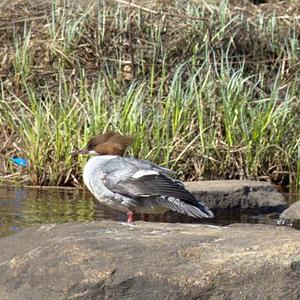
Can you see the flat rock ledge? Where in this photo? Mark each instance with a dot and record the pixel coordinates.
(110, 260)
(224, 195)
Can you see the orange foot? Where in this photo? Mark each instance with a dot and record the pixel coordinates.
(130, 217)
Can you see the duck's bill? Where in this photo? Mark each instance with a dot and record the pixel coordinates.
(81, 151)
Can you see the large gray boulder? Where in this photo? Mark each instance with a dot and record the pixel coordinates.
(109, 260)
(227, 195)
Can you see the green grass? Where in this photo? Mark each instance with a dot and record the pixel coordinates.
(212, 100)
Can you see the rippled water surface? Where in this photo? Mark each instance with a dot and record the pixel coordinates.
(23, 207)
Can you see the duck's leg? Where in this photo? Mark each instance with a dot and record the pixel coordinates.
(130, 216)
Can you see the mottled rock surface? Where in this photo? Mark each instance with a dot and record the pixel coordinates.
(109, 260)
(238, 195)
(292, 213)
(291, 216)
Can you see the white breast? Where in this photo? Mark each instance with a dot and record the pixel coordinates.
(92, 175)
(93, 164)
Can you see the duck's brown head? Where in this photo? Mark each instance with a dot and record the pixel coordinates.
(110, 143)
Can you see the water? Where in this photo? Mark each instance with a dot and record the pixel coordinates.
(23, 207)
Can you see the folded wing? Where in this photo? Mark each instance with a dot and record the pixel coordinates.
(169, 193)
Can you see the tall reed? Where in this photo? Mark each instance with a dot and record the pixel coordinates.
(215, 93)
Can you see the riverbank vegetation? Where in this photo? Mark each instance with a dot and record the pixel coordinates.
(208, 89)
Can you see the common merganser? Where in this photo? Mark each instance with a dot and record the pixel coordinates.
(134, 185)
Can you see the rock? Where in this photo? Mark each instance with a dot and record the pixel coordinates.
(292, 213)
(220, 195)
(109, 260)
(291, 216)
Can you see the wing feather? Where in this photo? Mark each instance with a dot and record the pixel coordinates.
(152, 185)
(169, 193)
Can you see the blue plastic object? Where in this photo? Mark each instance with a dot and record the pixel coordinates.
(19, 161)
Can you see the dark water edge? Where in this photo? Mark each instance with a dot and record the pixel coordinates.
(23, 207)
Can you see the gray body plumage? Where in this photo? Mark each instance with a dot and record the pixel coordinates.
(126, 183)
